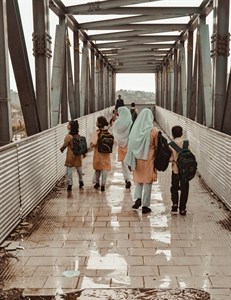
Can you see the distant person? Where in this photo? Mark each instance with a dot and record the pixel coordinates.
(134, 111)
(140, 157)
(121, 130)
(72, 160)
(119, 102)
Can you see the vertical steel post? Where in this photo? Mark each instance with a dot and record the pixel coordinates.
(189, 70)
(76, 73)
(42, 54)
(220, 53)
(175, 98)
(5, 113)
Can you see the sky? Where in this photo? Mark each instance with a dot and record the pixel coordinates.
(142, 82)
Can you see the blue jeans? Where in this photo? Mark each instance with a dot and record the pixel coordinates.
(70, 177)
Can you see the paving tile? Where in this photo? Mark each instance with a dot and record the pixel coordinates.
(113, 246)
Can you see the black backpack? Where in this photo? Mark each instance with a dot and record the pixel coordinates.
(134, 114)
(105, 141)
(79, 145)
(162, 153)
(186, 161)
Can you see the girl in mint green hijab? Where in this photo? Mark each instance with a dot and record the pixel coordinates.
(140, 157)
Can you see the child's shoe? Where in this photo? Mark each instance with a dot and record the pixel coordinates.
(128, 184)
(102, 188)
(81, 184)
(69, 188)
(183, 212)
(137, 204)
(174, 209)
(146, 210)
(96, 186)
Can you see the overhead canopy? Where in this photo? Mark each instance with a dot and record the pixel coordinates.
(135, 36)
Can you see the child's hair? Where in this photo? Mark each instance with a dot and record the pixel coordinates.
(102, 121)
(133, 104)
(177, 131)
(74, 127)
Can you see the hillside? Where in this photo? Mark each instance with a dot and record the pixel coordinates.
(136, 96)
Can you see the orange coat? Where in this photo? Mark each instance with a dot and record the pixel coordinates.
(101, 161)
(144, 172)
(122, 153)
(72, 160)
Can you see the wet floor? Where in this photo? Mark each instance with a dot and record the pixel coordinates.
(94, 242)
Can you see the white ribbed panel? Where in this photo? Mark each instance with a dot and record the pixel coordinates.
(30, 168)
(212, 150)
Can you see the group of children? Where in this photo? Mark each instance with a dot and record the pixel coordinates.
(136, 142)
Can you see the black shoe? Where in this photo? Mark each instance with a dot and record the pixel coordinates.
(174, 209)
(137, 203)
(81, 184)
(128, 184)
(102, 188)
(96, 186)
(69, 188)
(183, 212)
(146, 210)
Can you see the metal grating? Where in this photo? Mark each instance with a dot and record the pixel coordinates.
(30, 168)
(212, 149)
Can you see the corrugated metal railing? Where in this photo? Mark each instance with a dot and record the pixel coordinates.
(212, 149)
(30, 168)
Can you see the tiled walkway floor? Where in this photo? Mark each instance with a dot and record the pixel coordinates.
(109, 245)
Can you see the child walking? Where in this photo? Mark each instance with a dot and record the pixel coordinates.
(178, 184)
(140, 157)
(121, 131)
(72, 160)
(101, 161)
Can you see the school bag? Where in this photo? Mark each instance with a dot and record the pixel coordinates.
(186, 161)
(79, 145)
(162, 153)
(105, 141)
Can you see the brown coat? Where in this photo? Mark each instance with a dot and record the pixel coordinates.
(101, 161)
(72, 160)
(144, 172)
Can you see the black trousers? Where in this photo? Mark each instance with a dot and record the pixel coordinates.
(179, 187)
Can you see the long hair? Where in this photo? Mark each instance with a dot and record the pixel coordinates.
(74, 127)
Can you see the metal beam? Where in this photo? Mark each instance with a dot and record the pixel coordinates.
(21, 67)
(103, 25)
(206, 70)
(137, 29)
(220, 53)
(158, 11)
(99, 6)
(42, 54)
(134, 41)
(5, 113)
(57, 73)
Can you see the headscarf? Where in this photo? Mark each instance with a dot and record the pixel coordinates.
(122, 126)
(139, 138)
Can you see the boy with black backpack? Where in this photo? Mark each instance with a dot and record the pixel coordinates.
(184, 167)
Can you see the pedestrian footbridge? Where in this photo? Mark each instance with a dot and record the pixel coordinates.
(93, 241)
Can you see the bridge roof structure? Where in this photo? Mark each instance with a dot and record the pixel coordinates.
(134, 36)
